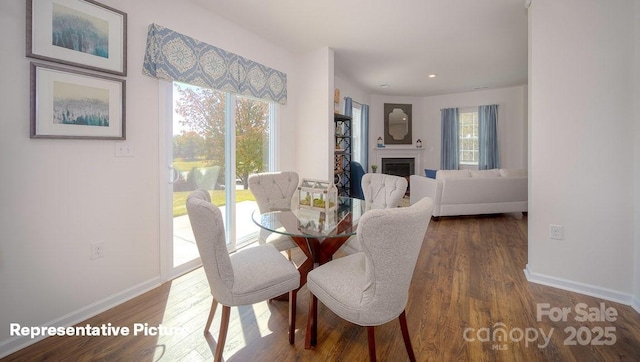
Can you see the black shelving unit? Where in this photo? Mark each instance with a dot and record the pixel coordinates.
(342, 154)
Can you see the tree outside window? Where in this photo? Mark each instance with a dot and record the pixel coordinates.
(202, 111)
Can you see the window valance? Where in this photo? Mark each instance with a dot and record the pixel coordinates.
(177, 57)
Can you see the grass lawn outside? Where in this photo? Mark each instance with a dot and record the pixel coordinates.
(188, 165)
(217, 198)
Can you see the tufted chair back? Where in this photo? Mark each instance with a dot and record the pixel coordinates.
(380, 191)
(383, 191)
(273, 189)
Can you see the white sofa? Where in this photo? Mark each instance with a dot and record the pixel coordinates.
(468, 192)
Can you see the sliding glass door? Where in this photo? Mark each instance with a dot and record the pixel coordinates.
(214, 141)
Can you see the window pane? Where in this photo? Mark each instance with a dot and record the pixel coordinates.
(468, 137)
(207, 123)
(356, 135)
(252, 138)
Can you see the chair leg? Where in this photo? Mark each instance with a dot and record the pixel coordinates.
(222, 337)
(310, 338)
(405, 336)
(372, 343)
(212, 312)
(293, 298)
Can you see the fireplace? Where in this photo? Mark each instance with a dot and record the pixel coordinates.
(403, 167)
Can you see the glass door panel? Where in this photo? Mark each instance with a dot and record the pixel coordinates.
(218, 140)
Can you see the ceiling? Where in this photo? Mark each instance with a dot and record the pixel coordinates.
(468, 44)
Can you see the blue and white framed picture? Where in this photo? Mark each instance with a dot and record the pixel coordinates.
(82, 33)
(66, 103)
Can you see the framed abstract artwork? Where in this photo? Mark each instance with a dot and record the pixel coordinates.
(67, 103)
(82, 33)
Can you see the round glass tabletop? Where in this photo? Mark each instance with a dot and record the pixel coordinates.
(306, 222)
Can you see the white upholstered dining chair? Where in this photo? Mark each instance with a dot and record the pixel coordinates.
(381, 191)
(274, 190)
(246, 277)
(371, 288)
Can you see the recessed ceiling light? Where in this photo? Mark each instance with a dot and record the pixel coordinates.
(432, 75)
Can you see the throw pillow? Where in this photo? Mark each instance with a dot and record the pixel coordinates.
(430, 173)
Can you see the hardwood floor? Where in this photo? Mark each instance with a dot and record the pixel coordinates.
(468, 284)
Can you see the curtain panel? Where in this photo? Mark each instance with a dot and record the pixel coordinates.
(348, 106)
(488, 156)
(449, 159)
(177, 57)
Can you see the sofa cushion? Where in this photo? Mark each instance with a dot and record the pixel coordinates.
(430, 173)
(513, 172)
(452, 174)
(485, 173)
(483, 191)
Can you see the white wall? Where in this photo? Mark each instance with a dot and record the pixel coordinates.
(582, 135)
(512, 121)
(348, 89)
(59, 196)
(314, 113)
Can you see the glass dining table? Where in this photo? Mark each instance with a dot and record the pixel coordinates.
(317, 236)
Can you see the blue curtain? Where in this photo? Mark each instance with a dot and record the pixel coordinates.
(348, 106)
(488, 156)
(449, 159)
(177, 57)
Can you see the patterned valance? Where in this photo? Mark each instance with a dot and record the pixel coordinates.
(177, 57)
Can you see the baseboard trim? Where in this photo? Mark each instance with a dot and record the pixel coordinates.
(636, 304)
(14, 344)
(582, 288)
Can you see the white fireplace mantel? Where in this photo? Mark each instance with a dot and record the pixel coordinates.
(399, 152)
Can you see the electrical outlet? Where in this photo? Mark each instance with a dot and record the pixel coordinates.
(97, 250)
(556, 232)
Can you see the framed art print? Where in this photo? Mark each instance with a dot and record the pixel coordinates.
(66, 103)
(82, 33)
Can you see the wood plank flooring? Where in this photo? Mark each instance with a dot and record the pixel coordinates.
(468, 285)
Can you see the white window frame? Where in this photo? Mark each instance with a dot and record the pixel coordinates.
(357, 152)
(461, 136)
